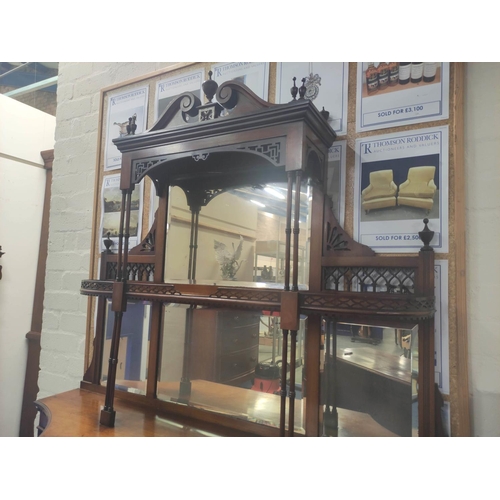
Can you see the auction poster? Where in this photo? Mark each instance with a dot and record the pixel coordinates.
(122, 109)
(255, 75)
(111, 203)
(395, 94)
(401, 179)
(441, 330)
(169, 88)
(326, 85)
(335, 182)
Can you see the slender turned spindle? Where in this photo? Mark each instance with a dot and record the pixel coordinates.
(127, 238)
(191, 246)
(284, 363)
(296, 231)
(288, 230)
(113, 360)
(185, 384)
(330, 417)
(195, 244)
(120, 238)
(295, 287)
(108, 413)
(291, 392)
(283, 382)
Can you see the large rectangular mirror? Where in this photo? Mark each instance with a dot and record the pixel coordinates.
(238, 236)
(228, 361)
(369, 380)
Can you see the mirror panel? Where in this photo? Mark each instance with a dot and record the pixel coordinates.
(240, 238)
(131, 373)
(369, 378)
(227, 361)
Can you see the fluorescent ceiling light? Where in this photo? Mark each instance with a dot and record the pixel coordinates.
(258, 203)
(274, 193)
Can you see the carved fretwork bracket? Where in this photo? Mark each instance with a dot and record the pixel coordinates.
(147, 245)
(199, 197)
(336, 242)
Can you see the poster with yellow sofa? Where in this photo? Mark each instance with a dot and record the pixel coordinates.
(400, 180)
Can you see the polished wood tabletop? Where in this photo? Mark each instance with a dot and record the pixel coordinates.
(76, 414)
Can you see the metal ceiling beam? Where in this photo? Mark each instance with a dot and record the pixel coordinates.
(33, 87)
(14, 69)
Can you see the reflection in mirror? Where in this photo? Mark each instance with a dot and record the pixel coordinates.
(369, 380)
(240, 239)
(227, 361)
(131, 371)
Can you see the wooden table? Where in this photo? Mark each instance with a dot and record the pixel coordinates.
(76, 414)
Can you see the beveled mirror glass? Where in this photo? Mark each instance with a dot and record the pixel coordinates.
(228, 361)
(239, 238)
(372, 381)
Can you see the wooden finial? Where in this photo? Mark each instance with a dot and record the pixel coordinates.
(302, 90)
(108, 243)
(209, 87)
(426, 236)
(294, 89)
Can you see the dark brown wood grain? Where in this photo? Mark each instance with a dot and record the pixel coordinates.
(251, 144)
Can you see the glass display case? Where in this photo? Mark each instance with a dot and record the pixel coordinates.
(247, 284)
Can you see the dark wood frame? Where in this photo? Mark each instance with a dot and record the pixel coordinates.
(28, 408)
(302, 137)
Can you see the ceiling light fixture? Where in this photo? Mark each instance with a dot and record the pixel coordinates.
(274, 193)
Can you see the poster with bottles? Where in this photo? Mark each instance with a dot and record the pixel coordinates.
(400, 180)
(401, 93)
(335, 180)
(169, 88)
(441, 330)
(326, 85)
(111, 203)
(255, 75)
(126, 111)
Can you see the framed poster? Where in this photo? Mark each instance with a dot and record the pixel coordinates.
(168, 88)
(401, 179)
(121, 108)
(335, 181)
(111, 202)
(441, 331)
(394, 94)
(326, 83)
(255, 75)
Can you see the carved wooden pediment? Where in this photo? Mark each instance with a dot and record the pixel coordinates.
(232, 98)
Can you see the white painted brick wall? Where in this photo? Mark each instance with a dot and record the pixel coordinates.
(64, 319)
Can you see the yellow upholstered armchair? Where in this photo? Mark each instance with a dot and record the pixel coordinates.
(381, 192)
(419, 188)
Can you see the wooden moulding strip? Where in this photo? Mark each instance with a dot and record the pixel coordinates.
(463, 427)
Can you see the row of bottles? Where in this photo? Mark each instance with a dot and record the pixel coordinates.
(402, 73)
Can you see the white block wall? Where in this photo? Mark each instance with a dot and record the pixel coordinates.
(63, 338)
(64, 318)
(482, 164)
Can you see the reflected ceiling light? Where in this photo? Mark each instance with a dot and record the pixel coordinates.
(274, 193)
(258, 203)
